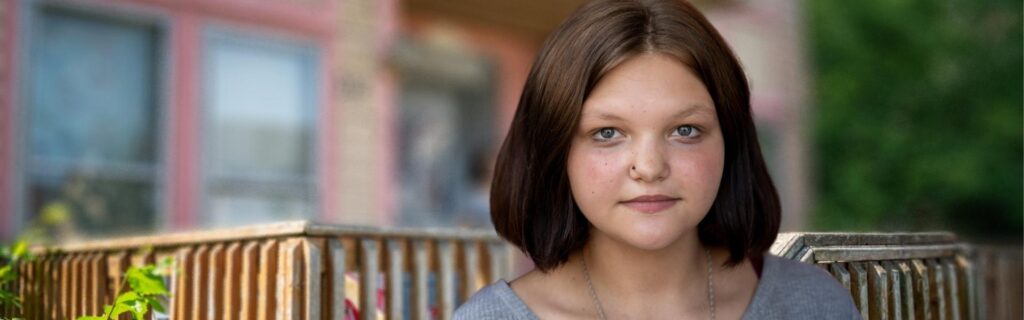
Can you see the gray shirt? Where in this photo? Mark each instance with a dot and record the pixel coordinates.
(787, 289)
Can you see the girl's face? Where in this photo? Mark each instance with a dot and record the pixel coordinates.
(645, 164)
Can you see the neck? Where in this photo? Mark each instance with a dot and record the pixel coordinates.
(630, 278)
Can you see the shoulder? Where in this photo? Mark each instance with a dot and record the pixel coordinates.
(493, 302)
(800, 289)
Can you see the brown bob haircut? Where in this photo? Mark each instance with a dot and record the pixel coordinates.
(531, 200)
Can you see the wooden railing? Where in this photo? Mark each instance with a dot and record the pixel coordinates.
(293, 270)
(914, 275)
(301, 270)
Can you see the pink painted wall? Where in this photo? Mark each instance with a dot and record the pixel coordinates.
(316, 20)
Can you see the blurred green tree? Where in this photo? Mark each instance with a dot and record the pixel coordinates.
(917, 121)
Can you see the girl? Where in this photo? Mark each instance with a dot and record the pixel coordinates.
(632, 177)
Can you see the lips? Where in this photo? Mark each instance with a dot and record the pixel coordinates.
(651, 203)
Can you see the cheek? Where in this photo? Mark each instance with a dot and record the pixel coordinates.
(701, 172)
(593, 175)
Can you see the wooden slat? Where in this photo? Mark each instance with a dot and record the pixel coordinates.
(117, 265)
(30, 299)
(878, 286)
(907, 287)
(1014, 282)
(183, 298)
(85, 286)
(421, 273)
(859, 284)
(937, 284)
(887, 252)
(952, 289)
(446, 281)
(25, 287)
(99, 283)
(215, 274)
(368, 277)
(45, 287)
(267, 282)
(922, 289)
(61, 282)
(469, 269)
(966, 273)
(77, 286)
(273, 230)
(337, 276)
(289, 292)
(67, 287)
(784, 241)
(312, 250)
(249, 287)
(232, 281)
(200, 283)
(839, 271)
(395, 275)
(192, 238)
(997, 291)
(896, 302)
(48, 298)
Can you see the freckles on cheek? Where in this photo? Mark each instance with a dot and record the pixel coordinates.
(600, 169)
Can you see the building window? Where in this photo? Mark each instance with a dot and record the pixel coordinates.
(445, 134)
(92, 137)
(260, 105)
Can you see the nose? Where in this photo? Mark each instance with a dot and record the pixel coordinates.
(650, 163)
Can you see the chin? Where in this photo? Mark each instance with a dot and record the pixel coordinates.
(652, 239)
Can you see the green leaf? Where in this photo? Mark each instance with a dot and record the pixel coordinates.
(145, 281)
(124, 303)
(156, 305)
(6, 273)
(19, 251)
(138, 307)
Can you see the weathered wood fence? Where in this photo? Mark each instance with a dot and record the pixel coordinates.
(294, 270)
(301, 270)
(915, 275)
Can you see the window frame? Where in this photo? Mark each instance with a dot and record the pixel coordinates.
(30, 12)
(311, 51)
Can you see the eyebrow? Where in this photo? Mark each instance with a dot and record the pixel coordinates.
(690, 109)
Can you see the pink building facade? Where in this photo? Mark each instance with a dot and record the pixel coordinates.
(149, 115)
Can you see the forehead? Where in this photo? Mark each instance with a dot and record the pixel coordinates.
(648, 83)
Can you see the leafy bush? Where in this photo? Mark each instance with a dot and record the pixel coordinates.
(147, 292)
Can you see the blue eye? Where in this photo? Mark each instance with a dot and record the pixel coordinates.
(686, 130)
(605, 134)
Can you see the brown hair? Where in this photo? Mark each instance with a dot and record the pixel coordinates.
(531, 201)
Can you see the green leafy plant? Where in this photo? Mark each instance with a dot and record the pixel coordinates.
(10, 257)
(147, 292)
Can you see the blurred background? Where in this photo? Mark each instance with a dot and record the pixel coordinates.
(143, 116)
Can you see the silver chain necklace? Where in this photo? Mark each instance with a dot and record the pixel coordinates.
(600, 309)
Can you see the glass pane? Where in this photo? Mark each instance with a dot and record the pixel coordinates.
(228, 209)
(92, 119)
(92, 89)
(98, 206)
(260, 100)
